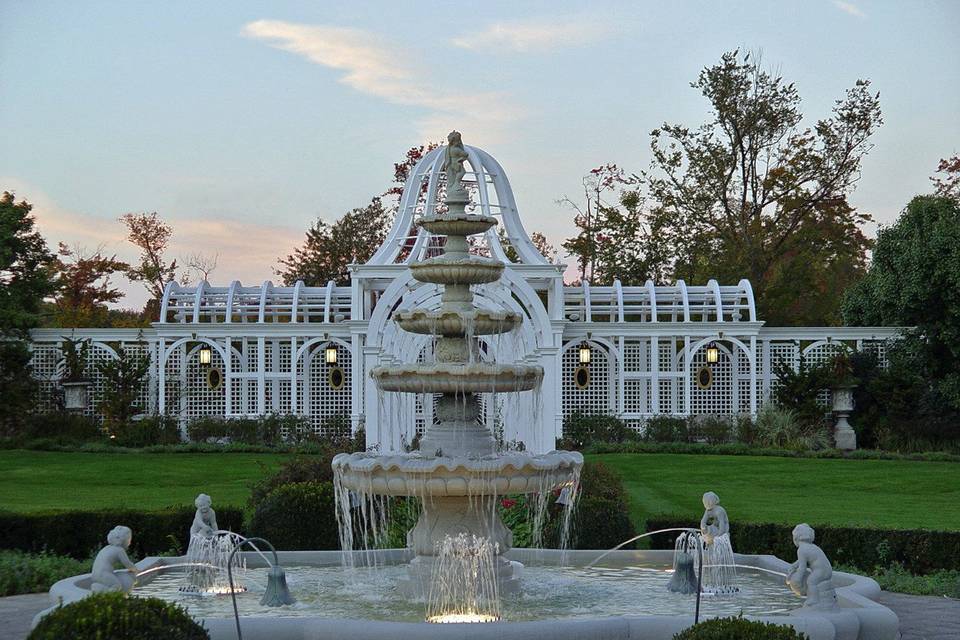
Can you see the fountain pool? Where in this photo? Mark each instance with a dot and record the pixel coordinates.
(623, 597)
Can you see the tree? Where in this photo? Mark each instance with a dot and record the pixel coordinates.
(539, 241)
(330, 248)
(752, 187)
(85, 287)
(914, 281)
(152, 236)
(402, 169)
(598, 187)
(25, 280)
(25, 277)
(203, 265)
(124, 379)
(949, 185)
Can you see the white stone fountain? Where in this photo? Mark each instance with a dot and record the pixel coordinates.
(458, 474)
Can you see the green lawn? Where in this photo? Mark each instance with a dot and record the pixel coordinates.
(44, 480)
(883, 493)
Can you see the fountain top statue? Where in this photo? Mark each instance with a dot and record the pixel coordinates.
(453, 158)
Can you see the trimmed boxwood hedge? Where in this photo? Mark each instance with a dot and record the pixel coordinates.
(119, 617)
(920, 551)
(739, 629)
(298, 516)
(80, 533)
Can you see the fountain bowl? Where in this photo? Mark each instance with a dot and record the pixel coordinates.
(457, 271)
(457, 224)
(415, 475)
(444, 322)
(456, 378)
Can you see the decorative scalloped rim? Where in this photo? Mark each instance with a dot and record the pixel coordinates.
(452, 323)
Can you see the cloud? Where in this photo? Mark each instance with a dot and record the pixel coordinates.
(370, 66)
(534, 36)
(849, 8)
(247, 251)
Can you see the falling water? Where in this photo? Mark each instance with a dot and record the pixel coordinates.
(207, 559)
(719, 566)
(463, 585)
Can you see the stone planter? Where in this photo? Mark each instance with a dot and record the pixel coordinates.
(843, 433)
(75, 395)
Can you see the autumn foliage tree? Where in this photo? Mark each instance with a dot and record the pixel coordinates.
(152, 236)
(85, 287)
(329, 249)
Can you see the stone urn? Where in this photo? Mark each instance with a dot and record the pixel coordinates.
(76, 394)
(843, 433)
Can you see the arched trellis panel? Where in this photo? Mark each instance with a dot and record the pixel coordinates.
(589, 388)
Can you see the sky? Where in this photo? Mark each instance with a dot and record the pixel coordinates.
(241, 123)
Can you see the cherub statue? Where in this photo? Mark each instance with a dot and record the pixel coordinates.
(205, 520)
(817, 585)
(714, 522)
(103, 578)
(453, 159)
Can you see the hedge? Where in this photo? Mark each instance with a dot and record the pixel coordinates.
(79, 534)
(920, 551)
(118, 616)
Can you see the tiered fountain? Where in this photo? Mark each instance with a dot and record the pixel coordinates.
(458, 473)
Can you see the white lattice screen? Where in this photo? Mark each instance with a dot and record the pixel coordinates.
(596, 397)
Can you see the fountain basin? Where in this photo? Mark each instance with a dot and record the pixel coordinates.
(457, 224)
(461, 271)
(412, 475)
(457, 323)
(457, 378)
(620, 600)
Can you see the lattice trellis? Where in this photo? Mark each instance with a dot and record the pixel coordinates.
(49, 369)
(717, 399)
(596, 398)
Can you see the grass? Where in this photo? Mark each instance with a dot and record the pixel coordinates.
(34, 481)
(892, 494)
(896, 494)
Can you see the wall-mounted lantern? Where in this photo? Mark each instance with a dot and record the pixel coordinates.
(330, 355)
(206, 355)
(585, 353)
(713, 353)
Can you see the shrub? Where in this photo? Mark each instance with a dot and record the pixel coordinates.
(739, 628)
(298, 516)
(782, 428)
(79, 534)
(581, 430)
(118, 617)
(714, 429)
(919, 551)
(32, 573)
(124, 378)
(150, 431)
(666, 429)
(601, 518)
(315, 469)
(63, 428)
(797, 389)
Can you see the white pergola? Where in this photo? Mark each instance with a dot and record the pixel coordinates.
(271, 346)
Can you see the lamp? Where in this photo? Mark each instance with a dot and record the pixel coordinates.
(330, 355)
(206, 355)
(584, 354)
(713, 353)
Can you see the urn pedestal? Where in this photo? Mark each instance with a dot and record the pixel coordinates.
(843, 433)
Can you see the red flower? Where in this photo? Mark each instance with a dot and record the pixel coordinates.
(508, 503)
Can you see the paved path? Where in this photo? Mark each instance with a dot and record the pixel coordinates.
(921, 617)
(924, 617)
(16, 614)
